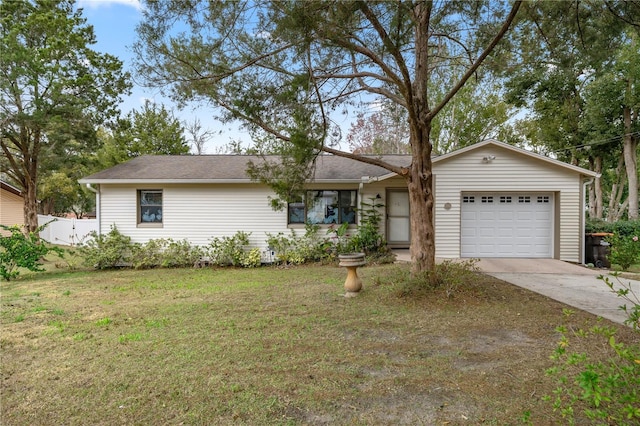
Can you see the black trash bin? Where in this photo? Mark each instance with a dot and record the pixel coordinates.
(597, 249)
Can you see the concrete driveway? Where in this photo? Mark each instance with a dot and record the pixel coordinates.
(574, 285)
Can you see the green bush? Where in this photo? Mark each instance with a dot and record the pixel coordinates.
(22, 251)
(231, 251)
(605, 389)
(165, 253)
(622, 228)
(296, 250)
(624, 251)
(113, 250)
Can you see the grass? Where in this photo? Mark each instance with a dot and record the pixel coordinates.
(272, 346)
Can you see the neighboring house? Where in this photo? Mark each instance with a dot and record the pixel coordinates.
(491, 200)
(11, 206)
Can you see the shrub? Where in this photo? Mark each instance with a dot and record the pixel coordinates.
(165, 253)
(623, 228)
(295, 250)
(229, 251)
(624, 250)
(604, 390)
(113, 250)
(22, 251)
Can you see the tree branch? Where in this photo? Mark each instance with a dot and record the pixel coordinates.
(471, 71)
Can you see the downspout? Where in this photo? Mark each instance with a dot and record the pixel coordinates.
(97, 192)
(584, 219)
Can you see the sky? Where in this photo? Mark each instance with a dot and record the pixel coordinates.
(114, 23)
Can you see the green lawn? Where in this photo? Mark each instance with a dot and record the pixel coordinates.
(271, 346)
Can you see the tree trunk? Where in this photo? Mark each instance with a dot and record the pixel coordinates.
(596, 206)
(29, 183)
(30, 207)
(630, 154)
(616, 207)
(420, 186)
(420, 177)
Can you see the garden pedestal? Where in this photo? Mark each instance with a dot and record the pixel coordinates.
(353, 283)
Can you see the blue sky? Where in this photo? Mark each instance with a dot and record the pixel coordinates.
(114, 23)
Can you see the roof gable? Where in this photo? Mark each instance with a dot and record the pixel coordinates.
(519, 151)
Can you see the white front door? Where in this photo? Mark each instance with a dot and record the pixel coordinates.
(507, 225)
(398, 220)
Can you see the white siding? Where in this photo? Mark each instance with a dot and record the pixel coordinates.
(11, 210)
(508, 172)
(197, 213)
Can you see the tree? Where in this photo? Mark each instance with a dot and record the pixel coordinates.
(478, 112)
(568, 52)
(54, 91)
(385, 131)
(198, 137)
(282, 68)
(153, 130)
(612, 111)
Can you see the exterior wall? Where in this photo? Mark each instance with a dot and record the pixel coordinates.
(200, 212)
(380, 188)
(508, 172)
(11, 209)
(197, 213)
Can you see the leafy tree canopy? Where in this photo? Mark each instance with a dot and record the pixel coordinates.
(54, 91)
(153, 130)
(282, 69)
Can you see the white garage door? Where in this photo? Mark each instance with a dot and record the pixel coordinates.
(507, 225)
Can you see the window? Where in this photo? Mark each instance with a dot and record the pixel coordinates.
(487, 199)
(524, 199)
(320, 207)
(505, 199)
(468, 199)
(543, 198)
(149, 206)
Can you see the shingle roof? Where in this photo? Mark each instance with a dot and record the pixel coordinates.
(230, 168)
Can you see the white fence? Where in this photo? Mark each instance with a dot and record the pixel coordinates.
(67, 232)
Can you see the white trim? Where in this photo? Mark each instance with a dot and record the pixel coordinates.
(517, 150)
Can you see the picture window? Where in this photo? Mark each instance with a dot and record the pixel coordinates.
(324, 207)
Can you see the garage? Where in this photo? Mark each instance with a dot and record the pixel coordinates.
(507, 224)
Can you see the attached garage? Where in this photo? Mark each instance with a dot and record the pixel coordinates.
(506, 225)
(497, 200)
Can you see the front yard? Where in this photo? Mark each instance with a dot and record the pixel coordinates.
(274, 346)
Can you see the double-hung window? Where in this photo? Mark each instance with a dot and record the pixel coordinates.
(324, 207)
(150, 206)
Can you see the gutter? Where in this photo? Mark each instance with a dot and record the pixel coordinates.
(98, 205)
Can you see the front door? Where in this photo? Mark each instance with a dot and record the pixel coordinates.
(398, 220)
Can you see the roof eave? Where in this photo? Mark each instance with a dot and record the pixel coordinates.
(196, 181)
(517, 150)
